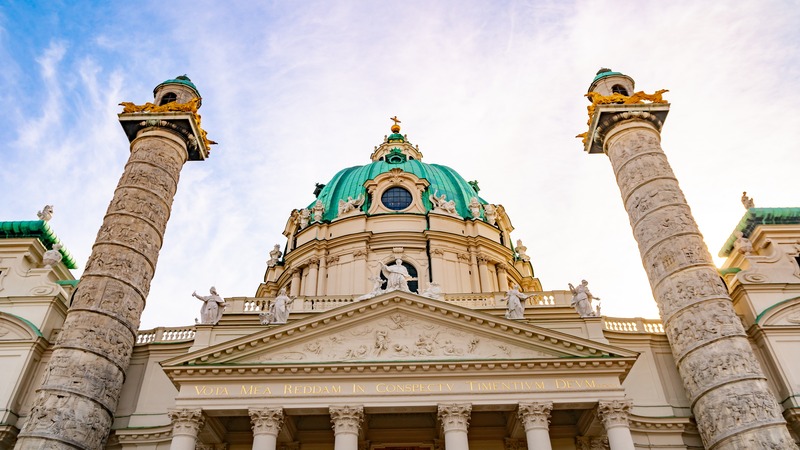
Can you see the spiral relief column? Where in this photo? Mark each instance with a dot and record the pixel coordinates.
(74, 407)
(730, 398)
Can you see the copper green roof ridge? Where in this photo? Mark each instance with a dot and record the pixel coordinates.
(349, 182)
(183, 79)
(37, 229)
(760, 216)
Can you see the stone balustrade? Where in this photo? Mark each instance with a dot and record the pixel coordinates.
(164, 334)
(633, 325)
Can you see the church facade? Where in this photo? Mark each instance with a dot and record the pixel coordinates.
(402, 314)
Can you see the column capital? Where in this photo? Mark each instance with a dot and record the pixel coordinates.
(614, 413)
(313, 262)
(346, 419)
(535, 414)
(266, 420)
(455, 416)
(187, 422)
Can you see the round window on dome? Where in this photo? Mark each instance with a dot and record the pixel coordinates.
(396, 198)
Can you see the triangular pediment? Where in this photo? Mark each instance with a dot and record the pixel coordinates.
(398, 327)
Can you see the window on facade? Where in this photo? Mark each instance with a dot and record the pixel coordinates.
(169, 97)
(619, 89)
(396, 198)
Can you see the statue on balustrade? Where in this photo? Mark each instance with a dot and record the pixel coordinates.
(278, 312)
(213, 307)
(582, 299)
(377, 289)
(516, 309)
(397, 276)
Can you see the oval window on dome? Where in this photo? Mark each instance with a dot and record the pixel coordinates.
(396, 198)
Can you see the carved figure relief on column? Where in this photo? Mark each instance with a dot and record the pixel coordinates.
(213, 307)
(516, 310)
(441, 204)
(274, 255)
(350, 205)
(52, 256)
(278, 310)
(521, 249)
(46, 213)
(475, 208)
(582, 299)
(318, 210)
(397, 276)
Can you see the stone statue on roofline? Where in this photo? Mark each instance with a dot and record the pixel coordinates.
(305, 215)
(441, 204)
(279, 309)
(490, 214)
(213, 307)
(747, 202)
(350, 205)
(377, 289)
(515, 305)
(582, 299)
(274, 256)
(46, 213)
(475, 208)
(318, 210)
(521, 249)
(433, 291)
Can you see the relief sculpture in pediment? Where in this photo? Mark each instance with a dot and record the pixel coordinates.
(399, 337)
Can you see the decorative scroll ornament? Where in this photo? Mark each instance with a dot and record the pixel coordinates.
(190, 107)
(186, 421)
(455, 416)
(535, 415)
(266, 421)
(637, 98)
(346, 419)
(614, 413)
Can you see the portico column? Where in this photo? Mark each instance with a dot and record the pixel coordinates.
(346, 426)
(186, 423)
(502, 277)
(614, 415)
(455, 423)
(483, 272)
(267, 424)
(294, 288)
(535, 417)
(311, 279)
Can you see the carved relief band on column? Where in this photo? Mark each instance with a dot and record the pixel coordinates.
(346, 419)
(455, 416)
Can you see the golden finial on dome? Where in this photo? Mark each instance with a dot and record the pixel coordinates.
(395, 127)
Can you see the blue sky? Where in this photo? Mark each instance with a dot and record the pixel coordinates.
(294, 91)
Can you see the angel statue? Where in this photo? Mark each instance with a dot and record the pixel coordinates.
(278, 310)
(441, 203)
(351, 204)
(582, 299)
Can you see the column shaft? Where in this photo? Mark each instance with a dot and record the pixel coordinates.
(483, 271)
(502, 277)
(311, 278)
(322, 276)
(535, 417)
(455, 424)
(294, 288)
(82, 381)
(346, 426)
(718, 367)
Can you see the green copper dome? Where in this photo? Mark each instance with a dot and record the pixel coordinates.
(349, 182)
(602, 73)
(184, 80)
